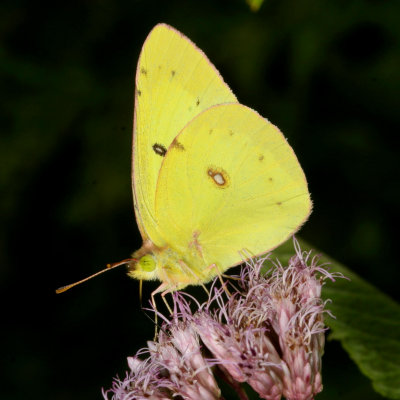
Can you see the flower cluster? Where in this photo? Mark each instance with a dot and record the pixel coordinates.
(268, 333)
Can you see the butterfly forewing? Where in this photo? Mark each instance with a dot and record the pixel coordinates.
(174, 82)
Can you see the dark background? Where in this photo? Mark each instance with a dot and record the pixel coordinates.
(325, 72)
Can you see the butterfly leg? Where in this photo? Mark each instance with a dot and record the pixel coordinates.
(235, 278)
(163, 294)
(220, 276)
(163, 289)
(160, 289)
(188, 270)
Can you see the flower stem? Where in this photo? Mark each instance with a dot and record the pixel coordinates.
(226, 377)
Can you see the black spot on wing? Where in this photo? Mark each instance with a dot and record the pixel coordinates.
(173, 73)
(261, 157)
(159, 149)
(143, 71)
(197, 102)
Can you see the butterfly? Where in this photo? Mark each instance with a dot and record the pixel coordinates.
(212, 179)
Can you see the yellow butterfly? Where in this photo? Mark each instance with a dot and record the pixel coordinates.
(211, 177)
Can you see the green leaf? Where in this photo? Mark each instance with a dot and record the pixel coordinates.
(254, 4)
(367, 323)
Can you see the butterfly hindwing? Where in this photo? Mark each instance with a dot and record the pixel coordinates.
(229, 181)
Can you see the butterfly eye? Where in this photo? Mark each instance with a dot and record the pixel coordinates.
(146, 263)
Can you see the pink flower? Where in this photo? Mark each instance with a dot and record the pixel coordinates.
(175, 366)
(269, 333)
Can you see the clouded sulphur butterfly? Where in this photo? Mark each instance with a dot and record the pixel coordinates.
(211, 177)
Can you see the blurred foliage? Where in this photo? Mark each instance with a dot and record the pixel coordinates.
(255, 4)
(325, 72)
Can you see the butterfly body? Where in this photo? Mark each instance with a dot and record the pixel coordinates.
(171, 267)
(212, 179)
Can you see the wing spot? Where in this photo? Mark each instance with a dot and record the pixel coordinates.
(219, 176)
(177, 145)
(139, 92)
(195, 243)
(231, 133)
(270, 179)
(197, 102)
(261, 157)
(143, 71)
(159, 149)
(210, 132)
(173, 73)
(279, 203)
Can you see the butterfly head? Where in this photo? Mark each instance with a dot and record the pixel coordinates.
(143, 268)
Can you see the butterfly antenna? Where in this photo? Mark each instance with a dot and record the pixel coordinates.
(140, 292)
(109, 267)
